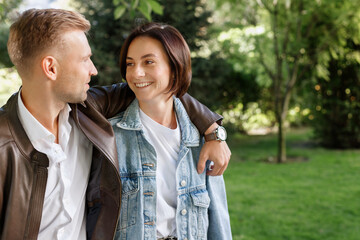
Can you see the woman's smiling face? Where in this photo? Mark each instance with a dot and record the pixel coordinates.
(148, 70)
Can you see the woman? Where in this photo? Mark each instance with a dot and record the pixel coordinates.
(163, 196)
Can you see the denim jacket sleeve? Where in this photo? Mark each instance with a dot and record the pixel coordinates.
(110, 100)
(219, 221)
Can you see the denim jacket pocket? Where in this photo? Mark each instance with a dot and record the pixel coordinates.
(129, 202)
(199, 216)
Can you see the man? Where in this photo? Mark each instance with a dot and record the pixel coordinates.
(58, 167)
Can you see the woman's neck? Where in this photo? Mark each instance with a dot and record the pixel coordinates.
(161, 112)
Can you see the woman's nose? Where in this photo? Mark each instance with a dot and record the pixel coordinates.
(139, 71)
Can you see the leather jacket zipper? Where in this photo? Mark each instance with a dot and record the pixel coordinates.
(37, 199)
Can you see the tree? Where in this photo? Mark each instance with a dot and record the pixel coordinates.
(286, 50)
(6, 8)
(337, 108)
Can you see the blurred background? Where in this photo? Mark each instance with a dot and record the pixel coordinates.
(284, 74)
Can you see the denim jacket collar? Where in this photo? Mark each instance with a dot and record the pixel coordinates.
(189, 134)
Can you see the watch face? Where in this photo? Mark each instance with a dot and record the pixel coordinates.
(221, 133)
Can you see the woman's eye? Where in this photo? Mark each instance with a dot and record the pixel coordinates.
(149, 62)
(129, 64)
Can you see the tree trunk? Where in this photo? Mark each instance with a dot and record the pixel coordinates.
(281, 154)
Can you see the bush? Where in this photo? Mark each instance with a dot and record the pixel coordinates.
(337, 109)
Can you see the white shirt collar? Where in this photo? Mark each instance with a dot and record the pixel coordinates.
(34, 129)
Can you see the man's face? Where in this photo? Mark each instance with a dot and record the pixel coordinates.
(75, 68)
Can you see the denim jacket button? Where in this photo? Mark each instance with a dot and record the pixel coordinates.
(183, 183)
(183, 212)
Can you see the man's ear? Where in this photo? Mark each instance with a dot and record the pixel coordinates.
(50, 67)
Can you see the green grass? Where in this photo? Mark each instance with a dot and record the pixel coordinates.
(315, 199)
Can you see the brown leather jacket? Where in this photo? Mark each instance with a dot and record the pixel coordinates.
(23, 170)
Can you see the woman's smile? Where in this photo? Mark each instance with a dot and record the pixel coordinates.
(142, 85)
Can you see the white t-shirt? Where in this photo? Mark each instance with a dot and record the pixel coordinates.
(166, 142)
(63, 215)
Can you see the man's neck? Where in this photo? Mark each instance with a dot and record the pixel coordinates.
(43, 109)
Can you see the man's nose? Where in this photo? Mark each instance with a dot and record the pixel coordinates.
(93, 71)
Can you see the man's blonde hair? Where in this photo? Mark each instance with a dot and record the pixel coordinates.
(37, 30)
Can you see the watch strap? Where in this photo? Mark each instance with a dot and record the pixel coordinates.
(211, 136)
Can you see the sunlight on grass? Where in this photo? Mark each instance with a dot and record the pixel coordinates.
(316, 199)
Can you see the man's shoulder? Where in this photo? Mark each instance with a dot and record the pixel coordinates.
(4, 117)
(5, 134)
(5, 121)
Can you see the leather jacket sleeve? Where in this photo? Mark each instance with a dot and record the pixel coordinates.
(199, 114)
(110, 100)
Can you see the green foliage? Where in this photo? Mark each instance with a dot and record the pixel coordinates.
(145, 7)
(6, 8)
(249, 119)
(336, 24)
(336, 53)
(190, 17)
(298, 40)
(119, 11)
(216, 84)
(310, 200)
(337, 108)
(4, 56)
(9, 83)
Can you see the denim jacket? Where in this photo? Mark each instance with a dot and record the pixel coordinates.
(201, 212)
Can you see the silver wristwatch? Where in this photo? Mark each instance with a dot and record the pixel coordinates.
(219, 135)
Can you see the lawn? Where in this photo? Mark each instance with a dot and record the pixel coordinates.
(314, 199)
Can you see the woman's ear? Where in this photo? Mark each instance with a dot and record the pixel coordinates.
(49, 66)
